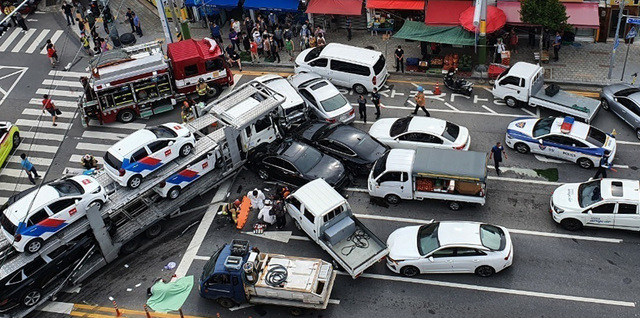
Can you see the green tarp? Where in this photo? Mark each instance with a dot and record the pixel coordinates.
(170, 296)
(418, 31)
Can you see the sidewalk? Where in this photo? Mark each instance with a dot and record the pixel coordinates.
(580, 64)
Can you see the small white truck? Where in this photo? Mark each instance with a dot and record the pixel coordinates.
(523, 83)
(320, 211)
(427, 173)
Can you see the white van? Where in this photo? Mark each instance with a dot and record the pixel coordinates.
(345, 65)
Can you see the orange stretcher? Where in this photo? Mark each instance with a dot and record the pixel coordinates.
(243, 214)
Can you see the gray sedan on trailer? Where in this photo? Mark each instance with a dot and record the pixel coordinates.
(624, 101)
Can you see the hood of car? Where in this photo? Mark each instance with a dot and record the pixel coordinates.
(522, 126)
(88, 183)
(566, 196)
(328, 168)
(380, 128)
(403, 243)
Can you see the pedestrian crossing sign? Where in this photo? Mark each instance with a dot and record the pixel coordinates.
(632, 33)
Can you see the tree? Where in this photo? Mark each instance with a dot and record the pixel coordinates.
(550, 14)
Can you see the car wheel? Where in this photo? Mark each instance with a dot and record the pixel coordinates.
(522, 148)
(97, 203)
(454, 206)
(571, 224)
(153, 231)
(135, 181)
(214, 91)
(585, 163)
(186, 150)
(409, 271)
(226, 302)
(31, 298)
(16, 141)
(263, 174)
(34, 245)
(392, 199)
(511, 102)
(129, 247)
(295, 311)
(174, 193)
(126, 116)
(605, 104)
(359, 88)
(638, 133)
(485, 271)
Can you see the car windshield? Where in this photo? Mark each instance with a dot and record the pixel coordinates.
(451, 131)
(313, 53)
(163, 132)
(492, 237)
(379, 66)
(399, 126)
(543, 126)
(596, 136)
(333, 103)
(428, 238)
(628, 91)
(112, 161)
(210, 266)
(589, 193)
(67, 188)
(308, 159)
(368, 147)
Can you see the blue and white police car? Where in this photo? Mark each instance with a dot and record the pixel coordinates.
(561, 138)
(172, 186)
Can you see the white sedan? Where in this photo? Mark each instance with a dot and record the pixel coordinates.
(416, 132)
(327, 102)
(450, 247)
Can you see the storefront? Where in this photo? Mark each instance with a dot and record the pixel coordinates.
(444, 12)
(332, 14)
(215, 10)
(609, 18)
(388, 15)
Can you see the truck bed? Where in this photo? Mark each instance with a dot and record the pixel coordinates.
(565, 102)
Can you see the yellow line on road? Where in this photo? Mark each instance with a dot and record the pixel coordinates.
(81, 310)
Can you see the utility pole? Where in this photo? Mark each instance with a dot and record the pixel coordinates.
(617, 39)
(163, 21)
(482, 40)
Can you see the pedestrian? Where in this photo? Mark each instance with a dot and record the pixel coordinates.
(349, 28)
(604, 165)
(257, 199)
(288, 46)
(21, 21)
(266, 47)
(274, 50)
(91, 20)
(319, 31)
(8, 8)
(248, 25)
(362, 108)
(104, 45)
(231, 208)
(557, 43)
(281, 214)
(399, 54)
(304, 32)
(47, 105)
(52, 55)
(267, 213)
(216, 34)
(233, 57)
(500, 47)
(236, 26)
(273, 19)
(421, 101)
(258, 39)
(233, 38)
(277, 35)
(129, 17)
(496, 153)
(136, 24)
(312, 41)
(513, 41)
(68, 13)
(81, 24)
(246, 41)
(85, 44)
(375, 99)
(320, 41)
(203, 90)
(254, 52)
(29, 168)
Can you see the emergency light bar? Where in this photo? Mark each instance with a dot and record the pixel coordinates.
(567, 123)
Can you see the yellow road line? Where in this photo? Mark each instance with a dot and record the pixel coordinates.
(81, 310)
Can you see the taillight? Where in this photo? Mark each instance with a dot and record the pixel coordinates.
(331, 120)
(121, 172)
(508, 255)
(17, 238)
(374, 80)
(352, 112)
(162, 184)
(460, 147)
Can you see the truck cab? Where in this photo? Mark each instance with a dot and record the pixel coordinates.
(221, 276)
(514, 84)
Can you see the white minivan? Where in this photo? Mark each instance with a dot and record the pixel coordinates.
(345, 65)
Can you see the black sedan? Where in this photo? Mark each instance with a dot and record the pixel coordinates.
(295, 163)
(356, 148)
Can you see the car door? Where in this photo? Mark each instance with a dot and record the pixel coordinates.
(551, 146)
(263, 131)
(440, 261)
(291, 173)
(627, 217)
(320, 67)
(161, 151)
(392, 182)
(601, 215)
(220, 284)
(139, 163)
(336, 148)
(512, 86)
(630, 111)
(467, 259)
(38, 224)
(64, 211)
(300, 215)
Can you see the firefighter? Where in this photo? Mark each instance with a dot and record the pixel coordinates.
(202, 89)
(187, 116)
(232, 208)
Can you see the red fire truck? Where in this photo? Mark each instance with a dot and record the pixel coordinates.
(139, 81)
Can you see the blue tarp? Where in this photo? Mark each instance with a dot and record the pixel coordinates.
(220, 4)
(272, 5)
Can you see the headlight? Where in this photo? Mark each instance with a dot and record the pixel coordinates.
(557, 209)
(509, 136)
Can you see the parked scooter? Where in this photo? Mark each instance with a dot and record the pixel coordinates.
(457, 85)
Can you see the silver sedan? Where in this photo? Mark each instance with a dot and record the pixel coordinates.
(624, 101)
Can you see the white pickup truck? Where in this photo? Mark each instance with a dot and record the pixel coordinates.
(523, 83)
(326, 216)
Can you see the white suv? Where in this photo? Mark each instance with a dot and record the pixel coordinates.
(137, 155)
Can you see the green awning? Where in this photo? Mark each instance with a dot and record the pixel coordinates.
(418, 31)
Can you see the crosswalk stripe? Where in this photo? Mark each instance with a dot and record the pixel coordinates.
(55, 83)
(12, 186)
(3, 200)
(58, 92)
(15, 173)
(54, 38)
(37, 148)
(93, 146)
(37, 112)
(37, 161)
(45, 124)
(133, 126)
(41, 136)
(10, 39)
(32, 48)
(57, 73)
(58, 103)
(103, 135)
(77, 158)
(23, 41)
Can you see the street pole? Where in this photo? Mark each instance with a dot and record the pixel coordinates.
(482, 51)
(624, 66)
(617, 39)
(163, 21)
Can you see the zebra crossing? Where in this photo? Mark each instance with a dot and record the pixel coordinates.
(29, 42)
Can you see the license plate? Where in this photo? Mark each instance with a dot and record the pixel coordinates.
(344, 117)
(215, 74)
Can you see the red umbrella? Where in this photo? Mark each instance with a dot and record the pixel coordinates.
(495, 19)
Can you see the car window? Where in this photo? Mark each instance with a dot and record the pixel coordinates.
(606, 208)
(315, 52)
(451, 131)
(308, 216)
(38, 217)
(338, 147)
(158, 145)
(627, 103)
(214, 65)
(627, 91)
(399, 126)
(60, 205)
(287, 166)
(512, 80)
(67, 188)
(319, 63)
(333, 213)
(335, 102)
(625, 208)
(295, 202)
(379, 66)
(347, 67)
(428, 238)
(465, 251)
(589, 193)
(317, 85)
(309, 97)
(162, 132)
(391, 176)
(445, 252)
(576, 143)
(112, 160)
(57, 252)
(262, 124)
(273, 161)
(543, 126)
(220, 279)
(138, 155)
(492, 237)
(190, 70)
(596, 136)
(27, 271)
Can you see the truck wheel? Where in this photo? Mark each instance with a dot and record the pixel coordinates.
(16, 141)
(585, 163)
(185, 150)
(174, 193)
(571, 224)
(605, 104)
(130, 247)
(134, 181)
(511, 102)
(34, 245)
(214, 91)
(409, 271)
(153, 231)
(359, 88)
(522, 148)
(226, 302)
(126, 116)
(392, 199)
(295, 311)
(454, 206)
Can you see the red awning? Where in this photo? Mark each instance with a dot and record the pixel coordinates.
(581, 15)
(445, 12)
(341, 7)
(396, 4)
(495, 19)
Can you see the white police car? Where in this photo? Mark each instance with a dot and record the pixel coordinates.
(171, 187)
(146, 150)
(561, 138)
(605, 203)
(32, 216)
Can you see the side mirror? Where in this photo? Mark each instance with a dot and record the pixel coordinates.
(430, 258)
(540, 141)
(170, 143)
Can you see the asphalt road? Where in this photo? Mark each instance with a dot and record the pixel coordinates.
(556, 273)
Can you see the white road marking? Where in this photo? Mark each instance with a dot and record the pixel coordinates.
(449, 105)
(44, 124)
(32, 48)
(202, 258)
(497, 290)
(16, 187)
(59, 92)
(547, 159)
(528, 112)
(57, 307)
(77, 75)
(37, 148)
(38, 112)
(489, 109)
(41, 136)
(56, 35)
(59, 103)
(102, 135)
(543, 182)
(23, 41)
(15, 173)
(93, 146)
(77, 158)
(35, 160)
(627, 142)
(56, 83)
(10, 39)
